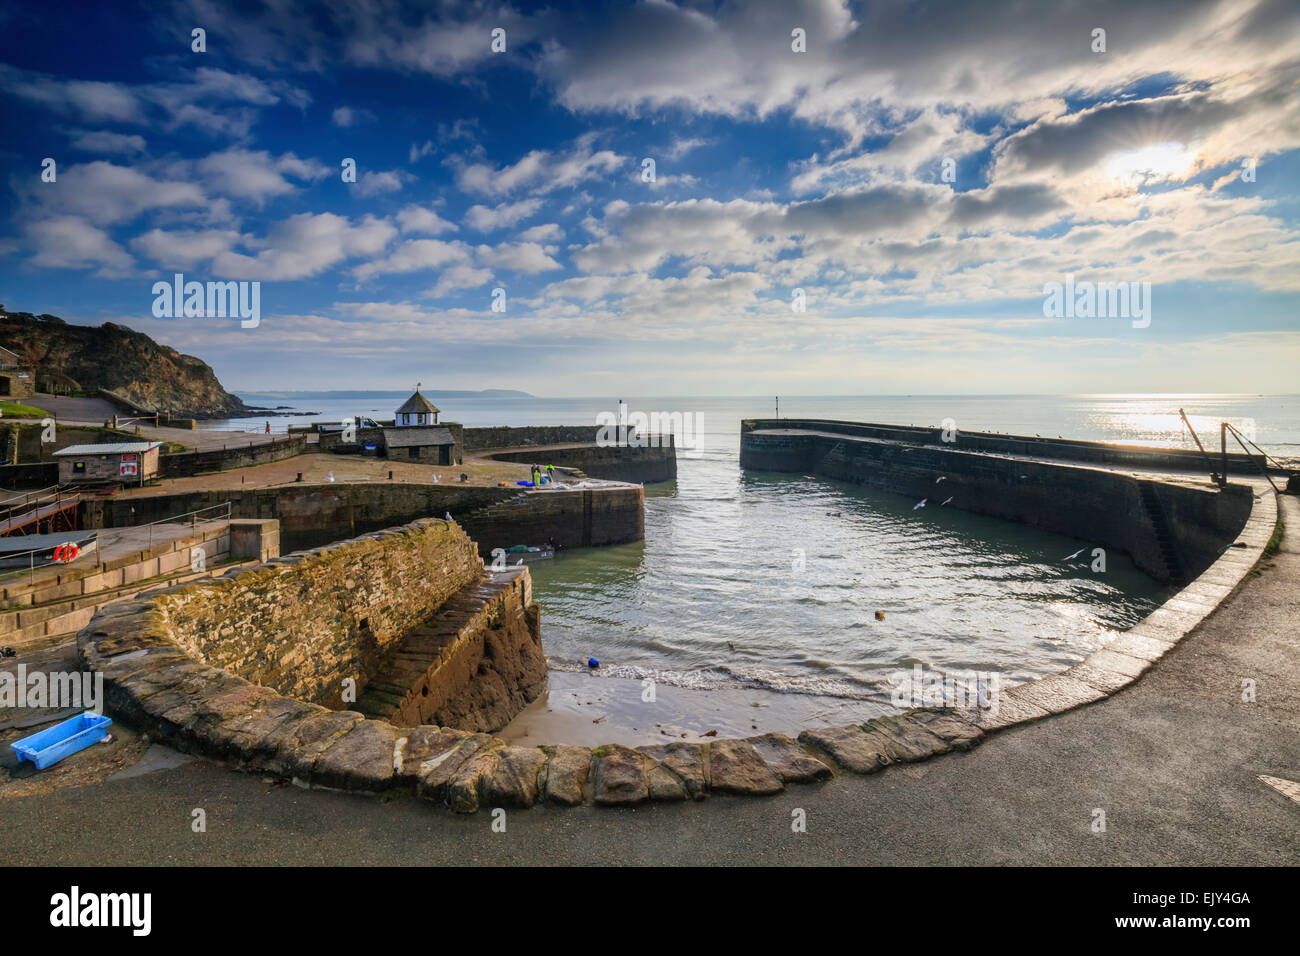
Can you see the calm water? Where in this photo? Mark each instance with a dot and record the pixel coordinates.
(774, 581)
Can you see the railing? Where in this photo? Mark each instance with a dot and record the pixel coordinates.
(1224, 428)
(191, 515)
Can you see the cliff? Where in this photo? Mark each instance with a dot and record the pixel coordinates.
(114, 357)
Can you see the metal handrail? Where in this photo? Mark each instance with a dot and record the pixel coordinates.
(27, 494)
(1242, 442)
(193, 515)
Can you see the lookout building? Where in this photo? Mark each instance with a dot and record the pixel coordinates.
(417, 436)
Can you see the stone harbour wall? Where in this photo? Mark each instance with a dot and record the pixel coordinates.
(1113, 509)
(614, 463)
(302, 624)
(198, 708)
(314, 515)
(476, 439)
(1067, 449)
(240, 454)
(578, 518)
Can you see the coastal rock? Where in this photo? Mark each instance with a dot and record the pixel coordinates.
(566, 775)
(111, 356)
(466, 785)
(686, 761)
(423, 744)
(619, 776)
(787, 760)
(513, 780)
(436, 772)
(292, 748)
(907, 741)
(662, 783)
(362, 759)
(952, 728)
(851, 747)
(736, 767)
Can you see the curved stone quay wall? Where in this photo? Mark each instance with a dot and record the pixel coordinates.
(1172, 528)
(154, 682)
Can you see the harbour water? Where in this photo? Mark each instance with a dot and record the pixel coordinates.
(754, 598)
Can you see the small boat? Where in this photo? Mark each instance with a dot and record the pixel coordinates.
(528, 554)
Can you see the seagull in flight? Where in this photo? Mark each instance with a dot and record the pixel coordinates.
(940, 478)
(1071, 557)
(946, 500)
(920, 504)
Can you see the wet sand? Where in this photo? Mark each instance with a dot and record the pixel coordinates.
(589, 710)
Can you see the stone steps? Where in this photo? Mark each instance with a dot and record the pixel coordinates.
(424, 649)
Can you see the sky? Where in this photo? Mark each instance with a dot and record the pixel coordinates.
(655, 188)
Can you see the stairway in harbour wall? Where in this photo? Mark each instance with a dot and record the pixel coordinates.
(487, 631)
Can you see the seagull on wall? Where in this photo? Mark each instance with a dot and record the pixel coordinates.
(447, 516)
(330, 477)
(920, 504)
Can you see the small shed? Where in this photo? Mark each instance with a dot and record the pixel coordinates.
(127, 463)
(432, 446)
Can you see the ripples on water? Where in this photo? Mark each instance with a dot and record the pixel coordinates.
(959, 592)
(716, 572)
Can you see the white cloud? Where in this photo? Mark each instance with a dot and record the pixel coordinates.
(103, 141)
(488, 219)
(548, 232)
(420, 219)
(528, 257)
(255, 175)
(539, 171)
(306, 245)
(180, 249)
(414, 255)
(67, 242)
(104, 193)
(374, 183)
(346, 116)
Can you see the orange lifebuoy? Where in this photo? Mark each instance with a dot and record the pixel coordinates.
(66, 552)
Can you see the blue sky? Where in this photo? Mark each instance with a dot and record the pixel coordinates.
(775, 170)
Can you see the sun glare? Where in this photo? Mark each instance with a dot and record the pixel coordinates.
(1150, 164)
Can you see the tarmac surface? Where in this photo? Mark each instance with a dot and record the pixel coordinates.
(1172, 762)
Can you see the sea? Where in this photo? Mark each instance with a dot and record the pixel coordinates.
(797, 585)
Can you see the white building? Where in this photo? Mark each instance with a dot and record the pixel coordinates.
(416, 410)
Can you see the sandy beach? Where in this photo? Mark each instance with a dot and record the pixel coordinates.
(588, 710)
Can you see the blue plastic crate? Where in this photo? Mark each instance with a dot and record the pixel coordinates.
(54, 743)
